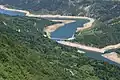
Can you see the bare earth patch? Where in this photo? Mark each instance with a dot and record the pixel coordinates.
(113, 57)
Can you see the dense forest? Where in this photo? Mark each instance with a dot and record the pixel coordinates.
(25, 54)
(105, 29)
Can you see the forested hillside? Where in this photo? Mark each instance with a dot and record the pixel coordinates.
(104, 11)
(101, 34)
(100, 9)
(25, 54)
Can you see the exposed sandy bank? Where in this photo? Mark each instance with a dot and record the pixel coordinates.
(111, 47)
(80, 46)
(113, 57)
(5, 8)
(52, 28)
(86, 25)
(64, 21)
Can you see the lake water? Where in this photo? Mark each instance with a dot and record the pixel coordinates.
(98, 56)
(68, 30)
(12, 13)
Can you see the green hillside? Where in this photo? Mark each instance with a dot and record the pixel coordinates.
(101, 34)
(25, 54)
(99, 9)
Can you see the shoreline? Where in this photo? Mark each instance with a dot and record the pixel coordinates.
(113, 57)
(85, 26)
(111, 47)
(109, 56)
(53, 27)
(80, 46)
(9, 9)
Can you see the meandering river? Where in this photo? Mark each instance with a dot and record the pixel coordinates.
(65, 32)
(68, 30)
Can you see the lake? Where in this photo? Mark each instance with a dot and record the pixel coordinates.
(12, 13)
(99, 56)
(68, 30)
(65, 32)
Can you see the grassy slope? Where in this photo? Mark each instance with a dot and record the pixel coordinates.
(30, 56)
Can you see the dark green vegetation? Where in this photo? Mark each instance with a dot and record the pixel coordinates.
(25, 54)
(101, 34)
(106, 12)
(106, 9)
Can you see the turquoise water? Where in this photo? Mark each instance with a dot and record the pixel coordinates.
(68, 30)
